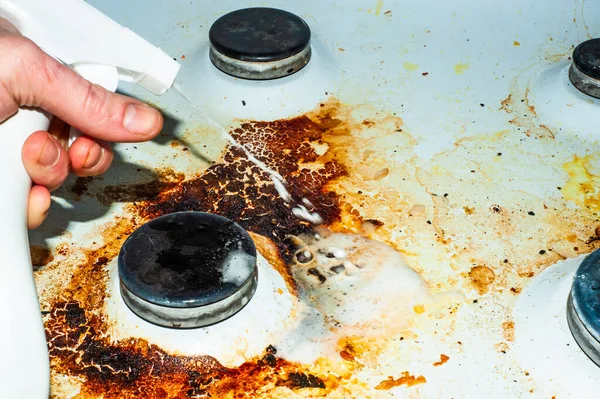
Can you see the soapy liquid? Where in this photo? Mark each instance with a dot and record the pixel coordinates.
(299, 210)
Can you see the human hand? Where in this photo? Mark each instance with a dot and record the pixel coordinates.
(29, 77)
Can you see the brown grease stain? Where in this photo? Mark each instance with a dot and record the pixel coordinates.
(525, 116)
(405, 379)
(481, 278)
(235, 188)
(508, 330)
(443, 360)
(40, 256)
(134, 368)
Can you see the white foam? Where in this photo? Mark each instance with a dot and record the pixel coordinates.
(237, 267)
(301, 212)
(338, 253)
(281, 190)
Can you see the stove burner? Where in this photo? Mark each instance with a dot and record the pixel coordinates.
(188, 269)
(583, 306)
(585, 70)
(260, 43)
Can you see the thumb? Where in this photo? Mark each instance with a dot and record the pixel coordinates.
(32, 78)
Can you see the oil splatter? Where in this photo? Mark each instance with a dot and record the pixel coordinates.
(409, 66)
(583, 185)
(460, 68)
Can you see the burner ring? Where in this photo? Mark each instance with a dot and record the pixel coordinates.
(583, 307)
(187, 270)
(584, 72)
(260, 43)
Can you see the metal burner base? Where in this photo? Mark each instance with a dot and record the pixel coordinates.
(586, 341)
(584, 83)
(264, 70)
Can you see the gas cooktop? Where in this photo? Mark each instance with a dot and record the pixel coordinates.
(431, 233)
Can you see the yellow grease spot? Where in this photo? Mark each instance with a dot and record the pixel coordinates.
(419, 309)
(378, 7)
(516, 43)
(582, 187)
(409, 66)
(460, 68)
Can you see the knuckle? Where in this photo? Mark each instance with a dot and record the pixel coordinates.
(96, 103)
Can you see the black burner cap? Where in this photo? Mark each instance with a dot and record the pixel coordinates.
(259, 34)
(188, 269)
(586, 58)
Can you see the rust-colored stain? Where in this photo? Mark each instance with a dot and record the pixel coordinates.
(359, 183)
(481, 278)
(76, 328)
(347, 356)
(443, 359)
(406, 379)
(135, 368)
(525, 116)
(40, 256)
(508, 330)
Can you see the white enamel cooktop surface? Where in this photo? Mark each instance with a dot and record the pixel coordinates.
(451, 159)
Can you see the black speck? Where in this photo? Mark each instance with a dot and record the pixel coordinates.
(531, 213)
(243, 103)
(429, 222)
(499, 154)
(542, 252)
(475, 301)
(482, 104)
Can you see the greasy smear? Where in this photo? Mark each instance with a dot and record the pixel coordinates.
(405, 379)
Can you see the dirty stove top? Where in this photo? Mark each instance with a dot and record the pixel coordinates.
(455, 170)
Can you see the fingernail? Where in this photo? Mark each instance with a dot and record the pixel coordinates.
(50, 153)
(140, 119)
(94, 157)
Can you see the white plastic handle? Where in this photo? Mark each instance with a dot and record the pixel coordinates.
(24, 364)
